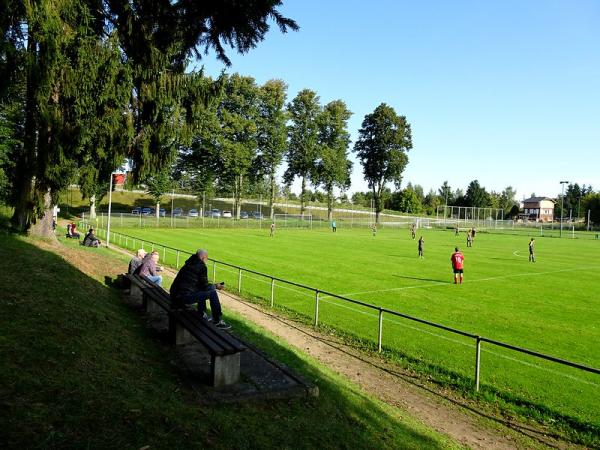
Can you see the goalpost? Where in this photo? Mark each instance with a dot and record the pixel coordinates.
(293, 220)
(469, 216)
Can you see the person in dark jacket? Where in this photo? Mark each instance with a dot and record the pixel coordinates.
(90, 239)
(191, 286)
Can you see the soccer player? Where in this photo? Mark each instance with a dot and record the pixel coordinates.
(456, 230)
(413, 230)
(532, 250)
(469, 239)
(457, 260)
(374, 229)
(272, 229)
(421, 244)
(333, 226)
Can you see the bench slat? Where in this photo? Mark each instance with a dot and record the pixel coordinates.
(222, 335)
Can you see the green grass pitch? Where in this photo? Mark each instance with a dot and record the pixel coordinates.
(550, 306)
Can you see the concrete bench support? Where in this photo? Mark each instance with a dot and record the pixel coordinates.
(135, 292)
(181, 335)
(152, 307)
(225, 369)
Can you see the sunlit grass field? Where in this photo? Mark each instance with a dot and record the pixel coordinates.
(550, 306)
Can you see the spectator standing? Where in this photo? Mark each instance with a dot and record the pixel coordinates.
(421, 246)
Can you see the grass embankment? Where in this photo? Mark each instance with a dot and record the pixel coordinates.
(124, 201)
(80, 369)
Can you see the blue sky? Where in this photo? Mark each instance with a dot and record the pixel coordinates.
(506, 92)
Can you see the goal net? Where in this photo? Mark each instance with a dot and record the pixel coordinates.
(293, 220)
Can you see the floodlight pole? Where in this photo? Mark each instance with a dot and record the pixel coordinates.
(562, 202)
(109, 209)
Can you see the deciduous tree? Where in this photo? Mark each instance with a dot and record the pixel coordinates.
(272, 133)
(382, 146)
(333, 166)
(302, 152)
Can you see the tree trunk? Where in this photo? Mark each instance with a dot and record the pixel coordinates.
(302, 197)
(237, 194)
(44, 225)
(23, 215)
(93, 207)
(272, 195)
(330, 204)
(377, 201)
(26, 165)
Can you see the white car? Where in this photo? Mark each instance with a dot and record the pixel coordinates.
(193, 213)
(227, 214)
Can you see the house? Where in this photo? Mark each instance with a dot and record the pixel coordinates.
(540, 209)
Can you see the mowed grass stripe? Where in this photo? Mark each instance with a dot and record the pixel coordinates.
(550, 306)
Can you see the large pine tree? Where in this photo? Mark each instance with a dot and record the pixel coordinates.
(52, 42)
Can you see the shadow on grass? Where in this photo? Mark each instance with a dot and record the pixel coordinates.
(80, 369)
(423, 279)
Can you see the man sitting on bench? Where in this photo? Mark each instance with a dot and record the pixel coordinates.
(148, 268)
(191, 286)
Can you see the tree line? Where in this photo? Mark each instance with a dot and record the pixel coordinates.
(89, 83)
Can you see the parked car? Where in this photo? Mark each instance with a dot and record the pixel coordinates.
(243, 215)
(193, 213)
(257, 215)
(162, 212)
(215, 213)
(227, 214)
(147, 211)
(137, 210)
(178, 212)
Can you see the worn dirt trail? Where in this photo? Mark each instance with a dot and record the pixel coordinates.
(438, 410)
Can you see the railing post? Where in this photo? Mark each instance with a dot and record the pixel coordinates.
(272, 291)
(164, 253)
(239, 280)
(316, 307)
(214, 271)
(153, 246)
(126, 242)
(477, 362)
(177, 262)
(380, 334)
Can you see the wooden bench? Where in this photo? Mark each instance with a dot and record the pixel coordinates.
(186, 325)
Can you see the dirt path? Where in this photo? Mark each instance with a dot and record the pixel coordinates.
(453, 417)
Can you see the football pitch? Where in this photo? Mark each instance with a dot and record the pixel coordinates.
(551, 306)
